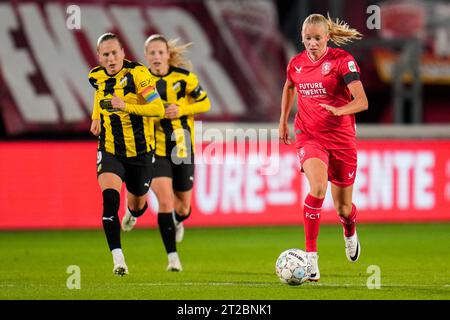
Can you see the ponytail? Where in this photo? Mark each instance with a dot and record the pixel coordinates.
(338, 31)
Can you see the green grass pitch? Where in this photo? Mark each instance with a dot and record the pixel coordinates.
(227, 264)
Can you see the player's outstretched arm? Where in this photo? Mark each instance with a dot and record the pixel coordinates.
(287, 99)
(154, 108)
(358, 104)
(201, 105)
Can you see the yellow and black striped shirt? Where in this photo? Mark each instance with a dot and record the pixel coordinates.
(180, 87)
(129, 132)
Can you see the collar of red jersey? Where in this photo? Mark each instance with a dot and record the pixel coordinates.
(323, 56)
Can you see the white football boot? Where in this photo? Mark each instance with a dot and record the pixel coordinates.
(352, 247)
(313, 258)
(120, 267)
(128, 221)
(174, 262)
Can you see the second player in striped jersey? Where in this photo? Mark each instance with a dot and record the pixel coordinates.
(183, 97)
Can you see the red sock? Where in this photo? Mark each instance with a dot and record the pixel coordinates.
(349, 223)
(311, 215)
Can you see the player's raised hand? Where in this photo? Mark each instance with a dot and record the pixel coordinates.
(283, 132)
(117, 103)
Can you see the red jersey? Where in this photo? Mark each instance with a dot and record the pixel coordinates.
(324, 81)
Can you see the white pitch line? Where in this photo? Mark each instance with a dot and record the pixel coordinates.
(390, 285)
(241, 284)
(245, 284)
(202, 284)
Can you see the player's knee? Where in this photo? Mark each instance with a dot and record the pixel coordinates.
(137, 204)
(111, 202)
(138, 211)
(343, 209)
(182, 209)
(318, 189)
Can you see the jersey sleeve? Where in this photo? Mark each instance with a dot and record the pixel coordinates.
(349, 69)
(96, 107)
(201, 102)
(192, 85)
(145, 87)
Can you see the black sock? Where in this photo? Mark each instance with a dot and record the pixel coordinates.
(138, 213)
(180, 218)
(111, 224)
(167, 230)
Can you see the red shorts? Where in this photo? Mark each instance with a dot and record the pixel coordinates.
(341, 163)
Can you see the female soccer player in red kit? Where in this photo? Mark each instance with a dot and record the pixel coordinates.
(329, 94)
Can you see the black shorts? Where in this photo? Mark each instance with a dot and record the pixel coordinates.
(136, 172)
(182, 174)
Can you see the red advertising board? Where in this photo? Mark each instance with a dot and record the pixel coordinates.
(53, 185)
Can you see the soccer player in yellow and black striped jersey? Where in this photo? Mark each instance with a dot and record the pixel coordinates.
(183, 97)
(125, 99)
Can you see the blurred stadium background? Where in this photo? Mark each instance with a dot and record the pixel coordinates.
(240, 51)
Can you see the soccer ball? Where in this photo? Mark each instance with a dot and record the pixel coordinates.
(292, 267)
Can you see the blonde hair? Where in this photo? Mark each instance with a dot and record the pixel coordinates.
(338, 31)
(176, 52)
